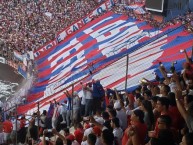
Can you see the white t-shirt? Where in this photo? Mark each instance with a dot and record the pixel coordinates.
(118, 133)
(99, 119)
(76, 103)
(83, 100)
(88, 131)
(123, 118)
(14, 125)
(98, 141)
(88, 94)
(173, 86)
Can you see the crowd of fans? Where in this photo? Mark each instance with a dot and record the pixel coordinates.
(186, 19)
(29, 24)
(155, 113)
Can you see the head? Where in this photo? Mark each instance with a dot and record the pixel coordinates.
(139, 101)
(187, 100)
(154, 101)
(164, 90)
(107, 137)
(97, 131)
(44, 112)
(112, 113)
(146, 105)
(164, 122)
(66, 131)
(162, 104)
(109, 107)
(187, 139)
(105, 115)
(137, 116)
(91, 139)
(171, 97)
(59, 141)
(115, 123)
(147, 94)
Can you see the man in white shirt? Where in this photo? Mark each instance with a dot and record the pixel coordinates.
(63, 111)
(121, 114)
(76, 107)
(117, 131)
(16, 124)
(89, 99)
(55, 116)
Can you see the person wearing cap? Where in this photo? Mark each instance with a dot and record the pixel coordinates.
(121, 113)
(97, 131)
(79, 132)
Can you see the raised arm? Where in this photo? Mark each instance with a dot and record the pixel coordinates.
(182, 110)
(186, 56)
(164, 74)
(117, 95)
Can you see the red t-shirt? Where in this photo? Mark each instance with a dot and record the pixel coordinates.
(141, 129)
(177, 120)
(7, 126)
(22, 123)
(156, 124)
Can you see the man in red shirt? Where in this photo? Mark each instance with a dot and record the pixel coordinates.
(7, 129)
(162, 107)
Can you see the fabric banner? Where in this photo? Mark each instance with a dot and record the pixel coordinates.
(22, 71)
(93, 47)
(18, 56)
(2, 60)
(74, 27)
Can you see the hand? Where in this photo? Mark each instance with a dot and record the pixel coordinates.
(132, 131)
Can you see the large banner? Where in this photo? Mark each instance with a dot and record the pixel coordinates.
(94, 46)
(76, 26)
(2, 60)
(97, 52)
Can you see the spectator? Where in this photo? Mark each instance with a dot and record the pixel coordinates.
(148, 114)
(7, 129)
(117, 131)
(136, 132)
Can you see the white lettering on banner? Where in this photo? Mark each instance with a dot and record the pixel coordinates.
(76, 26)
(2, 60)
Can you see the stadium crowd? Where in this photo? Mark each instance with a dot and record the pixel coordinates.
(155, 113)
(29, 24)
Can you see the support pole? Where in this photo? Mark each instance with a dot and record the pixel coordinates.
(127, 63)
(72, 103)
(16, 123)
(38, 117)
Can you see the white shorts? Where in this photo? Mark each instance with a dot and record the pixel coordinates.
(6, 136)
(1, 138)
